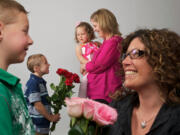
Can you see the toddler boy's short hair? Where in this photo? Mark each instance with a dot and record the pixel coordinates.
(34, 60)
(9, 10)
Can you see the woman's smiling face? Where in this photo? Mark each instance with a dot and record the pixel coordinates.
(138, 73)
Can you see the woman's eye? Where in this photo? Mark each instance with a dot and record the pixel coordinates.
(134, 52)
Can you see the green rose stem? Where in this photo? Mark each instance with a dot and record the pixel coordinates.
(80, 123)
(97, 128)
(57, 99)
(54, 123)
(83, 126)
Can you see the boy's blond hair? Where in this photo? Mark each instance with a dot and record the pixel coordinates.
(106, 20)
(9, 10)
(34, 60)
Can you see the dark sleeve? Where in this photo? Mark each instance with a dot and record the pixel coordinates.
(175, 130)
(109, 129)
(123, 108)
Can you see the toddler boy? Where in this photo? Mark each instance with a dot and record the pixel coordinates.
(36, 95)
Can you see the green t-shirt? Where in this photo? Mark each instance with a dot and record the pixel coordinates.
(14, 116)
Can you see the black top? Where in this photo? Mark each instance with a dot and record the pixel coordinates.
(167, 122)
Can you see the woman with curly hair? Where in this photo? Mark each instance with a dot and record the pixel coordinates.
(150, 104)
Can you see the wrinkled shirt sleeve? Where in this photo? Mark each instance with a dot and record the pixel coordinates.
(34, 92)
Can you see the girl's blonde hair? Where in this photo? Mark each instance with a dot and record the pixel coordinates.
(107, 21)
(88, 28)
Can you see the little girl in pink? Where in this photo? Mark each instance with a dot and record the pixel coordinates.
(85, 49)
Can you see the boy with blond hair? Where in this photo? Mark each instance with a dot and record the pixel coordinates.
(14, 42)
(36, 95)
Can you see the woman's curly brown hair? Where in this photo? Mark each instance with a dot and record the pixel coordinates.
(163, 54)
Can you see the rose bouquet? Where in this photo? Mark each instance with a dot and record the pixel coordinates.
(62, 90)
(84, 112)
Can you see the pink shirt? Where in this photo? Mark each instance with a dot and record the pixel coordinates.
(102, 77)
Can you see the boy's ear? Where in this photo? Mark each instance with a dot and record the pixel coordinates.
(36, 68)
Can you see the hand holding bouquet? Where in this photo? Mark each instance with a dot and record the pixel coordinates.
(82, 111)
(62, 90)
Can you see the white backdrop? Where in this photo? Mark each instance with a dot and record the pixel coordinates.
(52, 24)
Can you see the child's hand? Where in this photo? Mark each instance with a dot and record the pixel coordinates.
(55, 117)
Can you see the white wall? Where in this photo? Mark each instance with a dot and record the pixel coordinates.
(52, 24)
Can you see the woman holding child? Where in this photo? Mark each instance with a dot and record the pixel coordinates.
(102, 77)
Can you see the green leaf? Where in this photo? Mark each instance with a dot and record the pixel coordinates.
(84, 124)
(53, 87)
(49, 99)
(55, 97)
(76, 130)
(73, 121)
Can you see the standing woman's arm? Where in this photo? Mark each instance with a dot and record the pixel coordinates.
(107, 57)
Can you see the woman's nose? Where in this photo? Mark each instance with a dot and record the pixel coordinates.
(126, 61)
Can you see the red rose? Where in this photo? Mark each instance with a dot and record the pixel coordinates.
(76, 78)
(61, 71)
(68, 82)
(68, 74)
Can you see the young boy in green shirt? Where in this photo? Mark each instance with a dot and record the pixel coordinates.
(14, 42)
